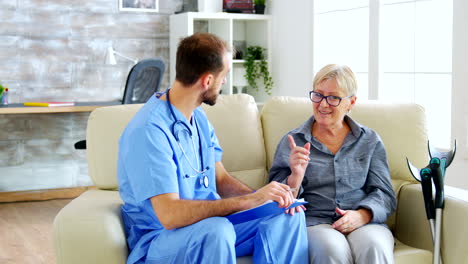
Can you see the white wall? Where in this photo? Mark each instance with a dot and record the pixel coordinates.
(457, 173)
(292, 46)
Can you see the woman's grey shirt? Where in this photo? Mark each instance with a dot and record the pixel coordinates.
(357, 176)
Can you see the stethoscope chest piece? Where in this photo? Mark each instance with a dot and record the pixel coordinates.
(205, 181)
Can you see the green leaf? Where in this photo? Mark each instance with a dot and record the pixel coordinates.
(259, 2)
(256, 67)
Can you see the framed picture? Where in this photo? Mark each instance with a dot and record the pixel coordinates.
(139, 5)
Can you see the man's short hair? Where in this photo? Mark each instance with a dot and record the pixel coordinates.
(198, 54)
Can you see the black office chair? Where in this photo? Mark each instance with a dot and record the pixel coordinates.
(144, 79)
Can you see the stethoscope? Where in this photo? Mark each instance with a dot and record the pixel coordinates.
(204, 180)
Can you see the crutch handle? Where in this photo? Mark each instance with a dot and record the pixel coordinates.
(426, 186)
(438, 172)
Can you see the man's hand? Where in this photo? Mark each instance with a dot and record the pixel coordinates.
(352, 219)
(298, 161)
(275, 191)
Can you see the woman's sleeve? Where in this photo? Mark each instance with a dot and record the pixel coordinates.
(381, 199)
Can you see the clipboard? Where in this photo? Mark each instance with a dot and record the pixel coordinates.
(266, 209)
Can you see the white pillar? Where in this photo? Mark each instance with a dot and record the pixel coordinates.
(457, 173)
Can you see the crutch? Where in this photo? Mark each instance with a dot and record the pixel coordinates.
(435, 171)
(439, 163)
(424, 176)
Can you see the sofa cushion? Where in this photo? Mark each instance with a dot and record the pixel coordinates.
(237, 124)
(402, 127)
(105, 125)
(406, 254)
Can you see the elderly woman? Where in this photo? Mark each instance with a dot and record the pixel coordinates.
(340, 167)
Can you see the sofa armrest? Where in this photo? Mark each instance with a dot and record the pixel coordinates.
(412, 226)
(90, 230)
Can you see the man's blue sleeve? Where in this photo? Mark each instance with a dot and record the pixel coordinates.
(149, 162)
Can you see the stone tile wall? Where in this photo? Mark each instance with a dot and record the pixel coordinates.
(54, 50)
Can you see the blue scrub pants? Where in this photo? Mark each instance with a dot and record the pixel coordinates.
(277, 239)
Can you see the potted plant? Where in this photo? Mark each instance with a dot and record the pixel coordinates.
(2, 89)
(256, 67)
(259, 6)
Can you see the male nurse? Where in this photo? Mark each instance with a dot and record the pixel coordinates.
(175, 188)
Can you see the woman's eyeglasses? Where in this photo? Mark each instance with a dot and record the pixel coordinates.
(331, 99)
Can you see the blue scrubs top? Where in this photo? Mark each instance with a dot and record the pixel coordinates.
(150, 163)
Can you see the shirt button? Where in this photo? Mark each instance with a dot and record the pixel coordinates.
(338, 201)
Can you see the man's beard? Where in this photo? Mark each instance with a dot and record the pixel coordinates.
(209, 97)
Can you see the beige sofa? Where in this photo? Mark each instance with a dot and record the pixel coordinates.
(89, 229)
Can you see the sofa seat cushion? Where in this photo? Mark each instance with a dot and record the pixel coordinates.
(91, 223)
(405, 254)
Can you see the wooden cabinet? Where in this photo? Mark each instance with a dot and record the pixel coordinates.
(238, 30)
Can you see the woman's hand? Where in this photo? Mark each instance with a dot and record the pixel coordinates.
(296, 209)
(298, 161)
(352, 219)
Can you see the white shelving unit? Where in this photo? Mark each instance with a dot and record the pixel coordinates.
(249, 28)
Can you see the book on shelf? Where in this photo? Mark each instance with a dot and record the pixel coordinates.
(48, 104)
(265, 209)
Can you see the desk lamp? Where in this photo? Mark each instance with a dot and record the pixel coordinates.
(110, 57)
(110, 60)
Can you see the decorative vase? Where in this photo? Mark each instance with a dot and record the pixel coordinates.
(260, 9)
(239, 81)
(210, 6)
(239, 89)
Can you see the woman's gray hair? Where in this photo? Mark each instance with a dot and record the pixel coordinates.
(342, 74)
